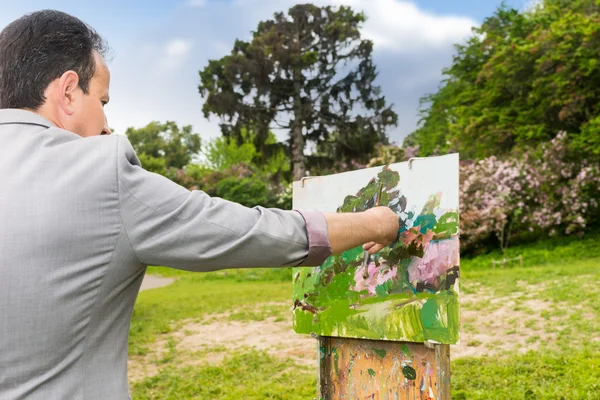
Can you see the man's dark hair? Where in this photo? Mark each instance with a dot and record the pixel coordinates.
(38, 48)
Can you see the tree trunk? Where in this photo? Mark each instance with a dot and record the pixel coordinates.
(297, 142)
(299, 169)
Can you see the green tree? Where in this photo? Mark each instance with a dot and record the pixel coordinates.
(222, 152)
(521, 78)
(249, 191)
(175, 146)
(153, 164)
(307, 72)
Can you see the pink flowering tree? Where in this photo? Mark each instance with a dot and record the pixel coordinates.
(568, 188)
(496, 198)
(550, 190)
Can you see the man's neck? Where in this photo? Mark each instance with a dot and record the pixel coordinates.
(50, 116)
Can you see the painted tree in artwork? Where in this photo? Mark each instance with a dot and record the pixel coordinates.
(308, 72)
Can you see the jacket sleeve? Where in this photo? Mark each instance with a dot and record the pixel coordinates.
(169, 225)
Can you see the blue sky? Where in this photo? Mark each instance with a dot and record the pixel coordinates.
(159, 46)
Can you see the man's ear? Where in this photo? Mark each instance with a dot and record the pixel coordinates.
(69, 91)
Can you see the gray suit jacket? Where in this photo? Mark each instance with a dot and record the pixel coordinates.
(79, 222)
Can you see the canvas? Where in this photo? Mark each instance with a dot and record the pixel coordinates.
(409, 290)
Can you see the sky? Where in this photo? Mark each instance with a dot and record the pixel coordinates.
(159, 46)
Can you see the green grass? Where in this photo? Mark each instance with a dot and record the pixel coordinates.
(564, 275)
(548, 251)
(563, 281)
(230, 275)
(251, 376)
(570, 375)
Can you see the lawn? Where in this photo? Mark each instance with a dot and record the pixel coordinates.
(528, 332)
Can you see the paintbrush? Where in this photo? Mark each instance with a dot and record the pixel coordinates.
(367, 256)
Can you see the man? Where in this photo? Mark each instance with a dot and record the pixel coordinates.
(80, 220)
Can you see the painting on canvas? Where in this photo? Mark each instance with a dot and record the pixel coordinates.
(409, 290)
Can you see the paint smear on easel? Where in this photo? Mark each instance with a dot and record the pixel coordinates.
(381, 370)
(409, 290)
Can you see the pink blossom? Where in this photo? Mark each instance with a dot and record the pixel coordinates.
(376, 275)
(548, 192)
(438, 257)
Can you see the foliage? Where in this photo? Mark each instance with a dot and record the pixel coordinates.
(551, 190)
(221, 153)
(153, 164)
(569, 187)
(250, 192)
(307, 71)
(520, 78)
(176, 146)
(387, 155)
(232, 171)
(492, 193)
(285, 197)
(241, 183)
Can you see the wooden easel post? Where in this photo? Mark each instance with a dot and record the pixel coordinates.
(382, 370)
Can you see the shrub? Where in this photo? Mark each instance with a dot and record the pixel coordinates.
(249, 192)
(548, 191)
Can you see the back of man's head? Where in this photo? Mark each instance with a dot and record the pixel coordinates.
(38, 48)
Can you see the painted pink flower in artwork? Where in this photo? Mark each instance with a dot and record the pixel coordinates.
(438, 257)
(376, 275)
(413, 236)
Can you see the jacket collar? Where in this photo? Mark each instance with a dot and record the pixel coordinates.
(18, 116)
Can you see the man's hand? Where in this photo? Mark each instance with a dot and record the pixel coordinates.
(375, 228)
(387, 222)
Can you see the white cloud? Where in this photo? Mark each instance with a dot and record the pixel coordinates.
(173, 54)
(531, 5)
(402, 27)
(196, 3)
(393, 25)
(177, 47)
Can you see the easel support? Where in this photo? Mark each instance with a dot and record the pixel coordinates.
(381, 370)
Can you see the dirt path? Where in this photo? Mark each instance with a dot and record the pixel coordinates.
(153, 282)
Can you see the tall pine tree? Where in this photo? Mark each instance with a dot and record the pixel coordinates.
(307, 72)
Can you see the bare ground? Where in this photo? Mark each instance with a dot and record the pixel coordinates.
(153, 282)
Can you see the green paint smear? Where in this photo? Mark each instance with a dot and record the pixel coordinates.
(409, 372)
(418, 321)
(405, 350)
(371, 372)
(381, 353)
(336, 358)
(447, 224)
(425, 222)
